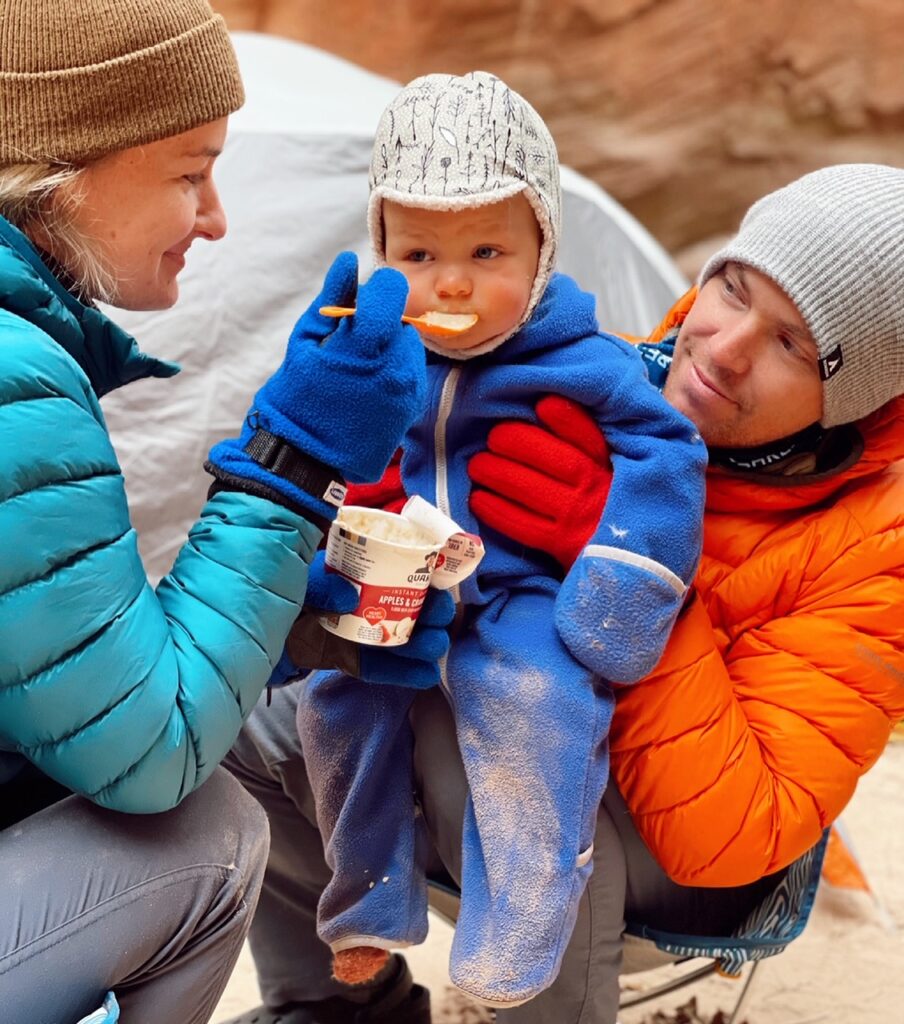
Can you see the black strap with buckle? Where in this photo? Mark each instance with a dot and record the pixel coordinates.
(296, 467)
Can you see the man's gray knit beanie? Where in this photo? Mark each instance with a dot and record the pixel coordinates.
(448, 143)
(833, 241)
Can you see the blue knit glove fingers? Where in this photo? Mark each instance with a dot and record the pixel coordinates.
(415, 664)
(328, 591)
(377, 320)
(429, 640)
(340, 287)
(382, 667)
(438, 609)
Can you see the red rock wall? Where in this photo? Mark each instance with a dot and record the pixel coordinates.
(685, 110)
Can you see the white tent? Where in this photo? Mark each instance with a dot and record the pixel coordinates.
(293, 180)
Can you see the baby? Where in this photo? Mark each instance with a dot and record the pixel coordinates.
(465, 202)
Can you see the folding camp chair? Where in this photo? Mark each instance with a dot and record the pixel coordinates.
(768, 929)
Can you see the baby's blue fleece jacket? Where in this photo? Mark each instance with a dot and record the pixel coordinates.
(526, 676)
(618, 604)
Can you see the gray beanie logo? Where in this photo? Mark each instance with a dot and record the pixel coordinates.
(830, 364)
(453, 143)
(833, 241)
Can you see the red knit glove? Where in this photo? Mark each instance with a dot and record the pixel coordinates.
(387, 493)
(544, 485)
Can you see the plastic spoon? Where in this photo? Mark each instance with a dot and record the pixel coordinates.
(440, 325)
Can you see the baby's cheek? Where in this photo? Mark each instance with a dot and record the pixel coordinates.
(418, 296)
(514, 298)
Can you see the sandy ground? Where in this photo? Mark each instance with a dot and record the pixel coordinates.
(847, 967)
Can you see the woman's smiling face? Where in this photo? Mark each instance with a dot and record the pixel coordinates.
(140, 209)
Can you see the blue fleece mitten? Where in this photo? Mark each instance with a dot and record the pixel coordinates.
(341, 402)
(416, 664)
(328, 591)
(309, 646)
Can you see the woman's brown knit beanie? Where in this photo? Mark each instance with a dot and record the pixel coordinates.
(82, 78)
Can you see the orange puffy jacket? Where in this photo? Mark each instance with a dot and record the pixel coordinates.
(783, 679)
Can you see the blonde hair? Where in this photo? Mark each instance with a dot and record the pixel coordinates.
(39, 199)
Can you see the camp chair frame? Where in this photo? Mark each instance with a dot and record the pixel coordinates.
(630, 998)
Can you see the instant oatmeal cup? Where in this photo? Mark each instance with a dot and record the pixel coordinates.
(392, 559)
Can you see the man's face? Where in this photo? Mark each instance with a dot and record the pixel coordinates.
(481, 260)
(745, 368)
(143, 207)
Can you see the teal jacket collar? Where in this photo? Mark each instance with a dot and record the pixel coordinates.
(108, 355)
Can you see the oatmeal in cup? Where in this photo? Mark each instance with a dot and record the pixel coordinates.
(390, 560)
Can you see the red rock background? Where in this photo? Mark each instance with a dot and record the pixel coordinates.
(685, 110)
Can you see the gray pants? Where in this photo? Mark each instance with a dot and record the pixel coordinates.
(292, 963)
(155, 907)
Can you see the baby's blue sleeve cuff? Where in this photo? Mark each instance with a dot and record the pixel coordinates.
(615, 611)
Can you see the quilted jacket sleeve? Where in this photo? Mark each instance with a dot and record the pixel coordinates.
(749, 739)
(127, 696)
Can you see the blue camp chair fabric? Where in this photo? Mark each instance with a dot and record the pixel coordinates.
(776, 922)
(106, 1014)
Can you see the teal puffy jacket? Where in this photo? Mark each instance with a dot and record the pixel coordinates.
(126, 695)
